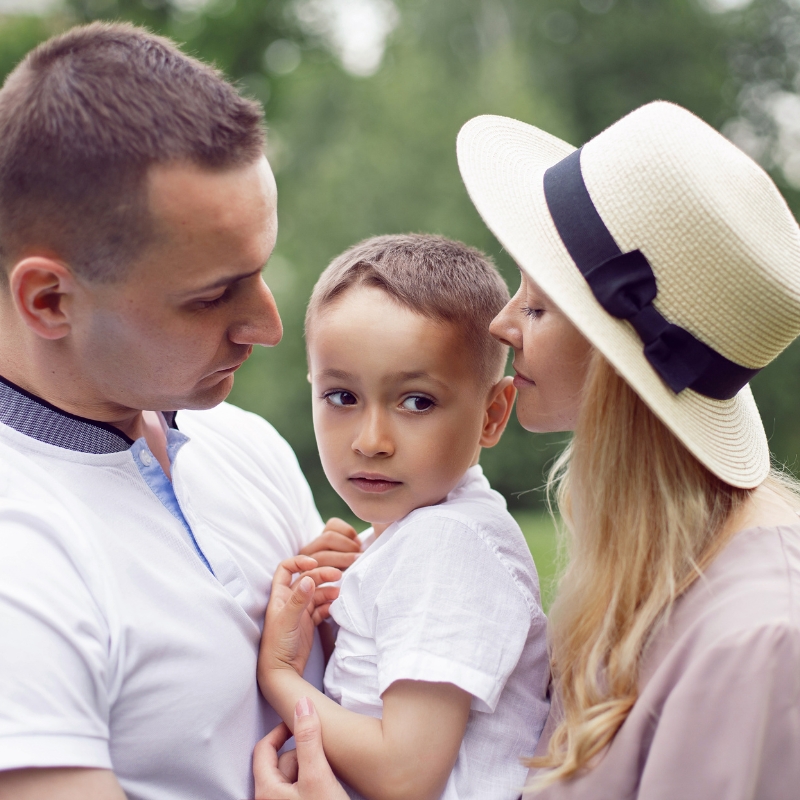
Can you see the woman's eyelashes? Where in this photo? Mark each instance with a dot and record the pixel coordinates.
(530, 311)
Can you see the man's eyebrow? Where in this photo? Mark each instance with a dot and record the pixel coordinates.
(226, 281)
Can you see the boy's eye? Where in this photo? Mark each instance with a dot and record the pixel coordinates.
(417, 403)
(341, 398)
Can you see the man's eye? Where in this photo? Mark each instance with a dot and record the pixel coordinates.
(215, 301)
(417, 402)
(341, 398)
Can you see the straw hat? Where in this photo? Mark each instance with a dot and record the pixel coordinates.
(668, 248)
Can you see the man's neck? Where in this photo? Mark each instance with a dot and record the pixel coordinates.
(59, 387)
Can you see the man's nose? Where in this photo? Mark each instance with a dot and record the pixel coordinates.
(374, 439)
(259, 321)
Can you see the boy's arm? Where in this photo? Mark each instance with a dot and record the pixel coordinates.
(409, 753)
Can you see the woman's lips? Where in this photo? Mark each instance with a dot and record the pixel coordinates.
(376, 484)
(520, 381)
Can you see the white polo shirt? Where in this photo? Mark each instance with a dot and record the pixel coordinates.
(131, 607)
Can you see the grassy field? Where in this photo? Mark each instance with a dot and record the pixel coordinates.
(541, 537)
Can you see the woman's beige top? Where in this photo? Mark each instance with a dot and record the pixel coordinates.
(718, 713)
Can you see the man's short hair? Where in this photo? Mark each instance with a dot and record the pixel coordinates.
(82, 119)
(439, 278)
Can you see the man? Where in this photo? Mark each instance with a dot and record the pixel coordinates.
(137, 548)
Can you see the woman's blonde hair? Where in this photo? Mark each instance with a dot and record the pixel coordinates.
(643, 519)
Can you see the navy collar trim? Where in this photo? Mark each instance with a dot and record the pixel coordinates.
(30, 415)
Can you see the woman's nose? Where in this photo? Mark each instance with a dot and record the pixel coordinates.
(505, 329)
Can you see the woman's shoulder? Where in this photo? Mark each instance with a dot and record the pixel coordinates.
(750, 593)
(758, 570)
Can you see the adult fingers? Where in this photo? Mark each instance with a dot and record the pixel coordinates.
(270, 782)
(316, 778)
(287, 764)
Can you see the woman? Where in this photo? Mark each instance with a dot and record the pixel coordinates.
(660, 271)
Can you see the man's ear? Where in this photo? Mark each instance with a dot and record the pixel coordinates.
(500, 401)
(41, 289)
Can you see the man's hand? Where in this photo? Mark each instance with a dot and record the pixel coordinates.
(302, 774)
(293, 611)
(337, 546)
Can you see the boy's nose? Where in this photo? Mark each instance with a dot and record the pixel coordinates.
(373, 439)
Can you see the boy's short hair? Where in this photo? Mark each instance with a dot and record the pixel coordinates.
(439, 278)
(82, 119)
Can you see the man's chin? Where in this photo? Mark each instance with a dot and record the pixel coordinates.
(204, 397)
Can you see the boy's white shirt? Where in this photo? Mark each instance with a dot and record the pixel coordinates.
(450, 594)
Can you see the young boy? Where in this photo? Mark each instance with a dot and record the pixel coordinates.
(440, 669)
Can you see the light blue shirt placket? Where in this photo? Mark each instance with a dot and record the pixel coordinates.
(160, 484)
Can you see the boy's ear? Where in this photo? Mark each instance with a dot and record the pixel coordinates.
(500, 401)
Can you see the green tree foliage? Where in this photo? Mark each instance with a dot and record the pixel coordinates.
(357, 156)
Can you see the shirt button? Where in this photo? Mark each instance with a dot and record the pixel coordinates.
(145, 458)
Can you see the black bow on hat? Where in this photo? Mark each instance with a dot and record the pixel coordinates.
(625, 286)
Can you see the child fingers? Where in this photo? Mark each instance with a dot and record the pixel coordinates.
(321, 613)
(325, 594)
(291, 566)
(332, 558)
(340, 526)
(321, 575)
(332, 540)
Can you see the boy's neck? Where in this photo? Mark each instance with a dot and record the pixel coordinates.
(379, 527)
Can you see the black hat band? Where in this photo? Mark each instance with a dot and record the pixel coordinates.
(625, 287)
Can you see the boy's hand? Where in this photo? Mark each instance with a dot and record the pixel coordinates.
(337, 546)
(293, 611)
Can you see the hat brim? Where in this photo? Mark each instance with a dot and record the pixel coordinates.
(502, 163)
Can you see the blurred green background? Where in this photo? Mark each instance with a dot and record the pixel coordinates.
(364, 99)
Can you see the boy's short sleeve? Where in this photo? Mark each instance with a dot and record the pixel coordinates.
(450, 612)
(54, 656)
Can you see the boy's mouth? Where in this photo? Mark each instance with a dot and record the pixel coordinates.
(373, 482)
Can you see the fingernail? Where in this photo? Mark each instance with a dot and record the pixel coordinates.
(304, 708)
(307, 584)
